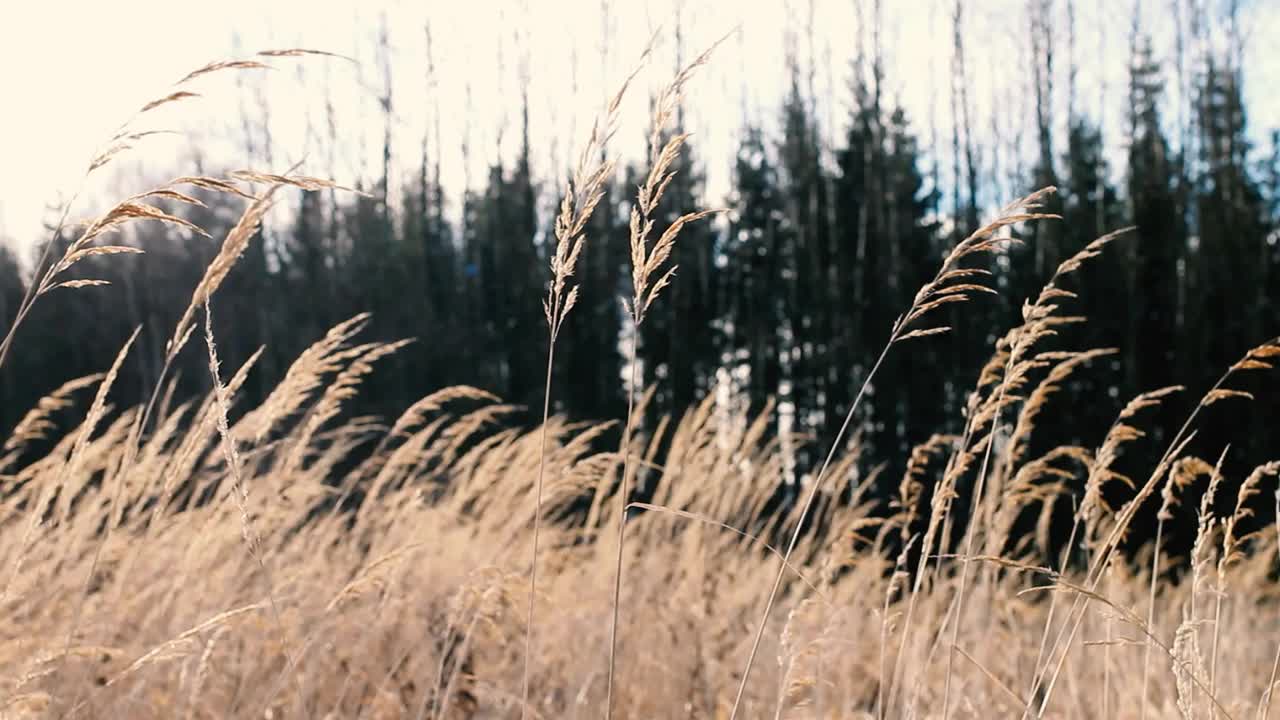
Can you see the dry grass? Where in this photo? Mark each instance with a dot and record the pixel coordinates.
(210, 561)
(414, 606)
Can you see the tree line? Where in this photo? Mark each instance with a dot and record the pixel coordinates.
(784, 300)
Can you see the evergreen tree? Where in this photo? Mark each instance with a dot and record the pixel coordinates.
(1155, 321)
(1236, 297)
(812, 273)
(589, 358)
(12, 288)
(1232, 222)
(428, 309)
(1091, 208)
(752, 278)
(921, 402)
(1043, 247)
(889, 248)
(676, 339)
(503, 265)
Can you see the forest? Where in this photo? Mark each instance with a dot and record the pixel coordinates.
(786, 295)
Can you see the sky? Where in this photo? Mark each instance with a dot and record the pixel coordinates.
(73, 71)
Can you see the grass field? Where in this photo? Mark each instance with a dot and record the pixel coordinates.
(206, 559)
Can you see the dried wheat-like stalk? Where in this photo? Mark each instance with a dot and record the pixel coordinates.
(646, 262)
(125, 213)
(231, 454)
(71, 467)
(1026, 488)
(1257, 358)
(582, 193)
(1182, 474)
(1265, 702)
(202, 669)
(36, 423)
(132, 209)
(344, 387)
(1121, 432)
(1064, 365)
(953, 283)
(649, 274)
(178, 646)
(240, 492)
(416, 414)
(911, 489)
(1040, 320)
(581, 196)
(1231, 553)
(1207, 525)
(290, 179)
(301, 380)
(1188, 666)
(233, 246)
(211, 184)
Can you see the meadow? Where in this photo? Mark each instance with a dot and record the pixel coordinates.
(170, 558)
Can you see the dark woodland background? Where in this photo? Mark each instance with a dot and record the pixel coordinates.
(790, 295)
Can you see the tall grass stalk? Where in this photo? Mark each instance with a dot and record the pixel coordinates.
(1257, 358)
(1265, 712)
(1039, 319)
(952, 284)
(581, 196)
(1168, 500)
(136, 208)
(646, 286)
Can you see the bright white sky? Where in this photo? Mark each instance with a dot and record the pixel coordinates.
(72, 71)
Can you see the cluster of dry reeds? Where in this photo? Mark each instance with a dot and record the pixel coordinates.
(207, 560)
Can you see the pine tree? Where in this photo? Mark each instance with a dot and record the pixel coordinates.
(502, 260)
(1044, 245)
(888, 247)
(1232, 221)
(1161, 243)
(433, 282)
(12, 289)
(1091, 207)
(590, 361)
(676, 338)
(752, 339)
(812, 272)
(922, 402)
(1236, 296)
